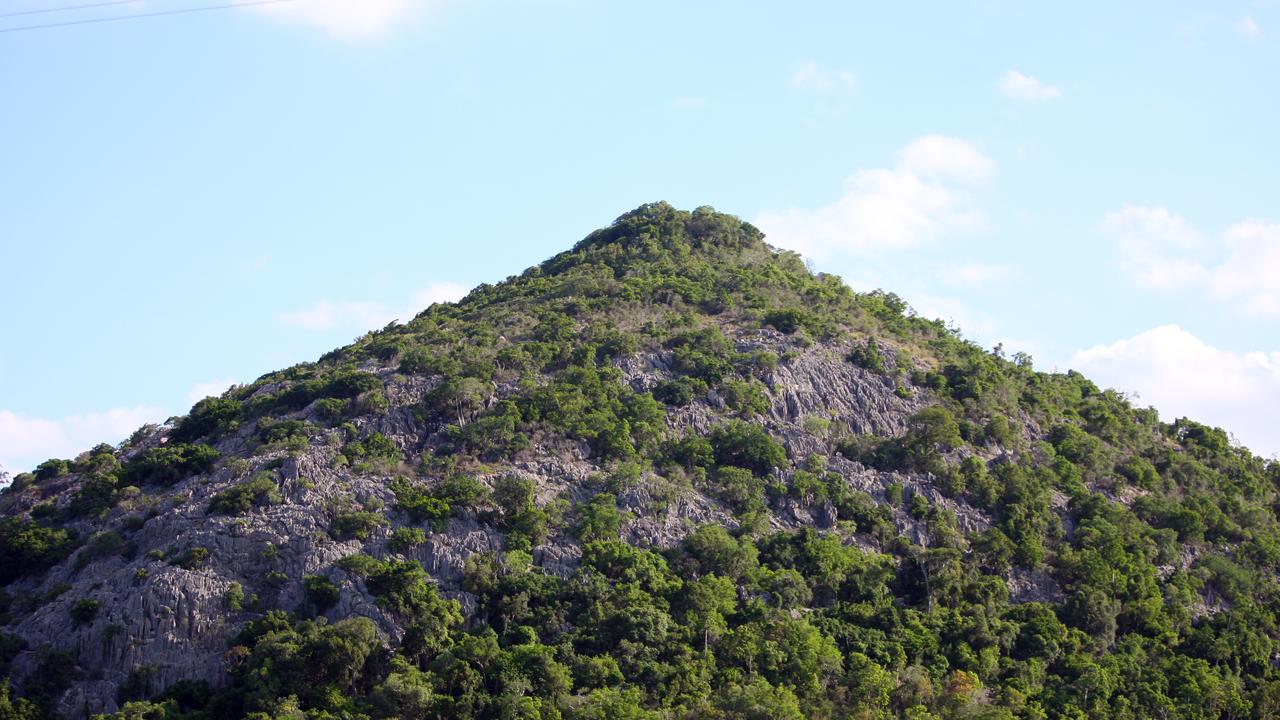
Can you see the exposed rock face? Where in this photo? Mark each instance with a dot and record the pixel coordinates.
(168, 615)
(821, 383)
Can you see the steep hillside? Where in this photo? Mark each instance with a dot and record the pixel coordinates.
(669, 473)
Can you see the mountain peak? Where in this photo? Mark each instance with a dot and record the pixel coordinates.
(669, 473)
(661, 223)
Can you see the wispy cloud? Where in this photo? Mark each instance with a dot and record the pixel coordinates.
(257, 264)
(1182, 376)
(974, 275)
(1245, 27)
(366, 314)
(27, 441)
(955, 313)
(812, 76)
(1018, 86)
(350, 19)
(327, 315)
(1163, 251)
(445, 292)
(213, 388)
(924, 195)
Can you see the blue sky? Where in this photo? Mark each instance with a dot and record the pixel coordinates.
(192, 200)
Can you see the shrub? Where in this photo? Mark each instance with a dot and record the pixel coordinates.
(739, 489)
(234, 596)
(403, 587)
(26, 547)
(355, 525)
(867, 356)
(1140, 472)
(747, 446)
(377, 449)
(192, 559)
(1076, 445)
(599, 518)
(999, 431)
(681, 391)
(85, 610)
(210, 417)
(137, 686)
(96, 495)
(53, 468)
(493, 435)
(348, 383)
(102, 544)
(789, 320)
(421, 361)
(691, 452)
(321, 592)
(332, 410)
(54, 673)
(260, 490)
(930, 432)
(463, 491)
(420, 504)
(10, 647)
(358, 564)
(704, 354)
(524, 522)
(345, 383)
(167, 464)
(271, 430)
(747, 397)
(404, 538)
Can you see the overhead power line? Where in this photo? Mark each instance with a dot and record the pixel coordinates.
(69, 8)
(114, 18)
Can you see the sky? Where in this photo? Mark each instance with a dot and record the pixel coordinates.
(192, 199)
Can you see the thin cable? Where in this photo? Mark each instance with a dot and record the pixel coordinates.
(145, 15)
(69, 8)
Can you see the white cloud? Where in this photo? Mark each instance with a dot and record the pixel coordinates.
(947, 157)
(1182, 376)
(213, 388)
(368, 315)
(923, 196)
(1250, 273)
(812, 76)
(26, 442)
(1025, 87)
(1247, 28)
(436, 293)
(955, 313)
(349, 19)
(974, 275)
(326, 315)
(1163, 251)
(1154, 244)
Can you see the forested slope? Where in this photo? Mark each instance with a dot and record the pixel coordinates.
(669, 473)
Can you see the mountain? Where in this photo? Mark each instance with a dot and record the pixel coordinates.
(669, 473)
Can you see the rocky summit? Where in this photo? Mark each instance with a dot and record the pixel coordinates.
(667, 474)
